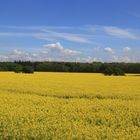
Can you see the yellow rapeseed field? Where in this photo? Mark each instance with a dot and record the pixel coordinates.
(69, 106)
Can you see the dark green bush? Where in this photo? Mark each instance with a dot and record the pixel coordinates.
(28, 69)
(18, 69)
(113, 71)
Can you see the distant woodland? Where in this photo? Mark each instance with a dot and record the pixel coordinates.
(95, 67)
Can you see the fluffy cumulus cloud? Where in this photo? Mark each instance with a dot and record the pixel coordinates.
(127, 49)
(17, 52)
(54, 46)
(57, 47)
(50, 52)
(109, 50)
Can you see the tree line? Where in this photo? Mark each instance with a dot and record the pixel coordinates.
(95, 67)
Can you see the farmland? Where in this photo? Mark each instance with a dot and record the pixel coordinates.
(69, 106)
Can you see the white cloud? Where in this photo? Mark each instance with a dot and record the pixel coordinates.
(121, 59)
(91, 59)
(61, 55)
(108, 50)
(3, 58)
(71, 52)
(54, 46)
(88, 59)
(119, 32)
(17, 52)
(57, 47)
(51, 52)
(127, 49)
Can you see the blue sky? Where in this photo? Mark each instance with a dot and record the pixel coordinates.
(70, 30)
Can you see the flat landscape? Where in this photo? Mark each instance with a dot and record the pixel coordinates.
(69, 106)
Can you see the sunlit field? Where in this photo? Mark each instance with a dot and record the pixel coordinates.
(75, 106)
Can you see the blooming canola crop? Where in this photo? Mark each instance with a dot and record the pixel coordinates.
(69, 106)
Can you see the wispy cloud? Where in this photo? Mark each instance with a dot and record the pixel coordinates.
(37, 27)
(44, 32)
(134, 14)
(114, 31)
(64, 32)
(18, 34)
(36, 35)
(69, 36)
(119, 32)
